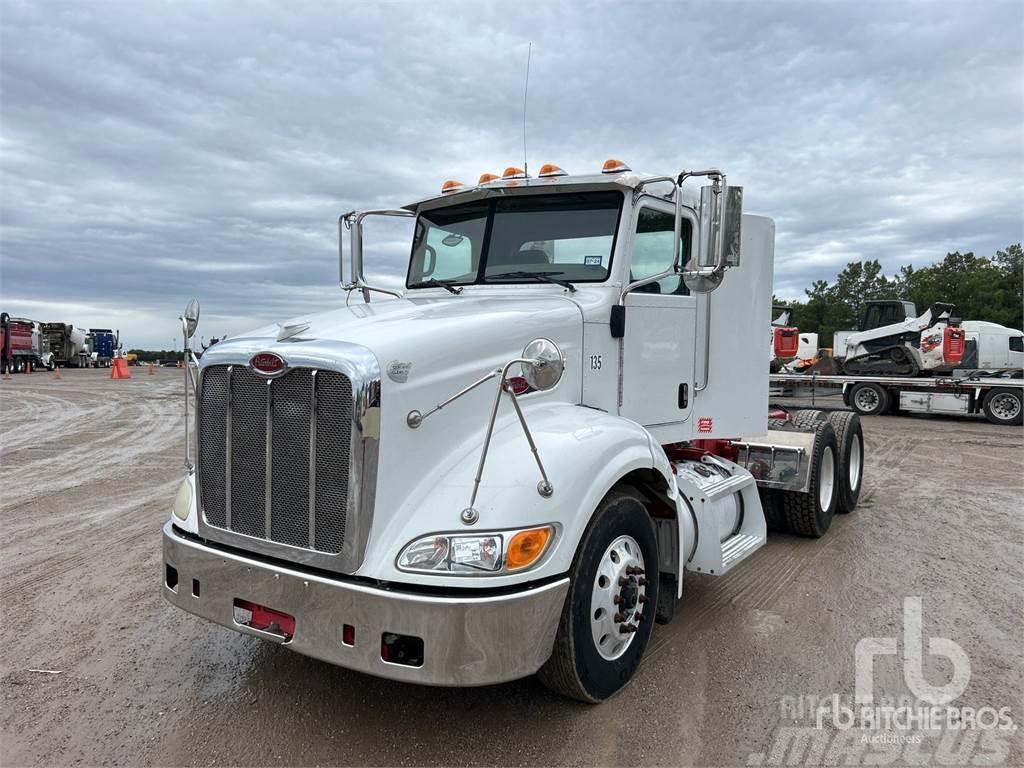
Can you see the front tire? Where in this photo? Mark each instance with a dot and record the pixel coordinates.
(596, 650)
(869, 399)
(1003, 406)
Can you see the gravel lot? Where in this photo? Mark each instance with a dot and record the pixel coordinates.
(89, 467)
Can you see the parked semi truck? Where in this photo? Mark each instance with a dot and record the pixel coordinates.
(23, 345)
(511, 467)
(103, 346)
(68, 344)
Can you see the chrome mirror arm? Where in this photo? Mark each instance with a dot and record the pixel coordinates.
(676, 268)
(414, 419)
(353, 221)
(470, 514)
(188, 377)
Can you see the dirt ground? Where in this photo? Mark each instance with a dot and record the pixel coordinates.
(88, 471)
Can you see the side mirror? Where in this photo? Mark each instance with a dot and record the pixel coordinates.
(546, 364)
(190, 320)
(721, 220)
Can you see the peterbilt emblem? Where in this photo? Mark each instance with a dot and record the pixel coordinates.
(398, 372)
(267, 363)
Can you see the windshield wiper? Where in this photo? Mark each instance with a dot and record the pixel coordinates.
(432, 283)
(547, 277)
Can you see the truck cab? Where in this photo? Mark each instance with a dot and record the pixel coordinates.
(507, 465)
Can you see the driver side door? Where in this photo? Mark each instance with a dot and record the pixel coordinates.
(659, 340)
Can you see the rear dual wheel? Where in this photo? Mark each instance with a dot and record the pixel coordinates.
(810, 514)
(609, 611)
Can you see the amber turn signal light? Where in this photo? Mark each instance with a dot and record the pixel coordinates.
(526, 547)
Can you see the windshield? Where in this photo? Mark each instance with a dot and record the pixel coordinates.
(507, 239)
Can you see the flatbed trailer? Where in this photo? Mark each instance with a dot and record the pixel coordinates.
(999, 398)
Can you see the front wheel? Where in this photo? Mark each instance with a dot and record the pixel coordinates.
(869, 399)
(609, 612)
(1003, 406)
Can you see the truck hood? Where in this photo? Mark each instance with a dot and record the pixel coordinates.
(439, 337)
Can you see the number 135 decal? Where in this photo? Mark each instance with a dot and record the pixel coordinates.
(595, 362)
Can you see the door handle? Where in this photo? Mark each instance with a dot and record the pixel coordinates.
(684, 395)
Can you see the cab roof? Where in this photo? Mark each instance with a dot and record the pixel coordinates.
(627, 180)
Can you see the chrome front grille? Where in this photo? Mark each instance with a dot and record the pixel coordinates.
(275, 455)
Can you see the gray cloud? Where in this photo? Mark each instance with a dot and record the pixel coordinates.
(154, 151)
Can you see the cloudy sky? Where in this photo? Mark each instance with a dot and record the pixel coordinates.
(152, 151)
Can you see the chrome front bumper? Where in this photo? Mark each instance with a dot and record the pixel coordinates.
(466, 640)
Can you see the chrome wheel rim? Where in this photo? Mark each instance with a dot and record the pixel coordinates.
(867, 399)
(1005, 406)
(855, 463)
(826, 478)
(618, 598)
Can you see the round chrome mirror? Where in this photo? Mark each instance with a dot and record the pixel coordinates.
(191, 318)
(546, 364)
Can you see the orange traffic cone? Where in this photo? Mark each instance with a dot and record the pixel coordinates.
(152, 370)
(7, 373)
(180, 364)
(28, 366)
(56, 372)
(119, 369)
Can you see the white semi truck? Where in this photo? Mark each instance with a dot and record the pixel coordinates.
(509, 468)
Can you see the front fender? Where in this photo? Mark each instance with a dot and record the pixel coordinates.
(584, 451)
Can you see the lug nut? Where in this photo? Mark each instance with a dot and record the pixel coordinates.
(619, 618)
(617, 599)
(642, 582)
(623, 581)
(642, 599)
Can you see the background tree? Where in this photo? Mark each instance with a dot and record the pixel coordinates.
(983, 288)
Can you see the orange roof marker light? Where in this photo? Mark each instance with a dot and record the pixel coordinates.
(488, 177)
(452, 186)
(550, 169)
(514, 173)
(611, 165)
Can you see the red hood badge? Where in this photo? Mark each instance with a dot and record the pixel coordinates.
(267, 363)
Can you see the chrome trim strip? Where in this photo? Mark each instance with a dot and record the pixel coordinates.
(227, 457)
(269, 458)
(360, 365)
(312, 461)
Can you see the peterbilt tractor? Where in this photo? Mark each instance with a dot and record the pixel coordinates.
(512, 464)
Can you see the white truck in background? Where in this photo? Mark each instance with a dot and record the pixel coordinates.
(931, 364)
(510, 468)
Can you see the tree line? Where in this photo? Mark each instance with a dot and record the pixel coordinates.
(984, 288)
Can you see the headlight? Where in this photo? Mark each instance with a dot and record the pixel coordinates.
(183, 500)
(481, 554)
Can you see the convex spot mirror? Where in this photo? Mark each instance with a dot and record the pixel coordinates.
(546, 364)
(191, 318)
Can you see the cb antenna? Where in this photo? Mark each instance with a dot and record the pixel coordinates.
(526, 91)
